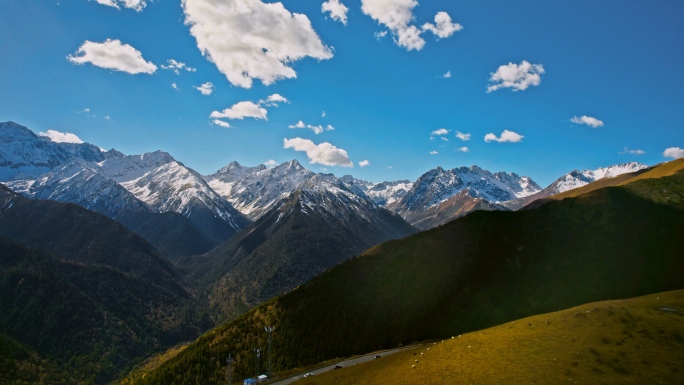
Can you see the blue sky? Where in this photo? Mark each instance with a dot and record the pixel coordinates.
(616, 63)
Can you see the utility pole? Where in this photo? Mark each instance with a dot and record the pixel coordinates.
(229, 370)
(258, 354)
(269, 330)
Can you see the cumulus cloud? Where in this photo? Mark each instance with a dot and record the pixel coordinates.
(206, 88)
(441, 131)
(506, 136)
(274, 100)
(249, 39)
(364, 163)
(175, 86)
(61, 137)
(136, 5)
(433, 153)
(325, 153)
(516, 76)
(338, 11)
(462, 136)
(674, 152)
(316, 129)
(588, 120)
(221, 123)
(443, 26)
(270, 163)
(240, 111)
(463, 149)
(176, 66)
(447, 75)
(114, 55)
(397, 15)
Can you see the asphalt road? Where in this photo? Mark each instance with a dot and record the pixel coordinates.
(349, 362)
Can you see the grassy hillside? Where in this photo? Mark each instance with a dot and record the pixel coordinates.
(485, 269)
(657, 171)
(625, 341)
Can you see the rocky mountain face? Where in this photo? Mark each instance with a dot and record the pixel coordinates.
(320, 225)
(425, 204)
(25, 155)
(575, 179)
(255, 190)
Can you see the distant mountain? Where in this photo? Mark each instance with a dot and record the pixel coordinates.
(255, 190)
(575, 179)
(85, 184)
(83, 291)
(25, 155)
(315, 228)
(386, 193)
(87, 175)
(484, 269)
(425, 204)
(165, 184)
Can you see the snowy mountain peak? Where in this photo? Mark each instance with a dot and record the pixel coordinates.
(576, 179)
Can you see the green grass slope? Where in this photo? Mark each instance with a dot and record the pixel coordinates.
(481, 270)
(625, 341)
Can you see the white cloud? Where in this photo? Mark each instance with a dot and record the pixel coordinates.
(447, 75)
(206, 88)
(242, 110)
(83, 111)
(632, 152)
(462, 136)
(516, 76)
(338, 11)
(176, 66)
(274, 100)
(441, 131)
(175, 86)
(463, 149)
(221, 123)
(107, 118)
(433, 153)
(364, 163)
(443, 26)
(674, 152)
(249, 39)
(444, 139)
(588, 120)
(506, 136)
(112, 55)
(270, 163)
(325, 153)
(323, 114)
(61, 137)
(380, 35)
(316, 129)
(397, 14)
(137, 5)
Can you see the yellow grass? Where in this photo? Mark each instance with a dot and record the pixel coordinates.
(623, 341)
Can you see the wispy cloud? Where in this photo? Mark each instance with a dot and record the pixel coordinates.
(462, 136)
(632, 152)
(462, 149)
(316, 129)
(588, 120)
(274, 100)
(176, 66)
(61, 137)
(206, 88)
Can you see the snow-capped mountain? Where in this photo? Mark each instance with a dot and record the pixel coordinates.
(165, 184)
(439, 185)
(255, 190)
(323, 223)
(81, 182)
(576, 179)
(386, 193)
(25, 155)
